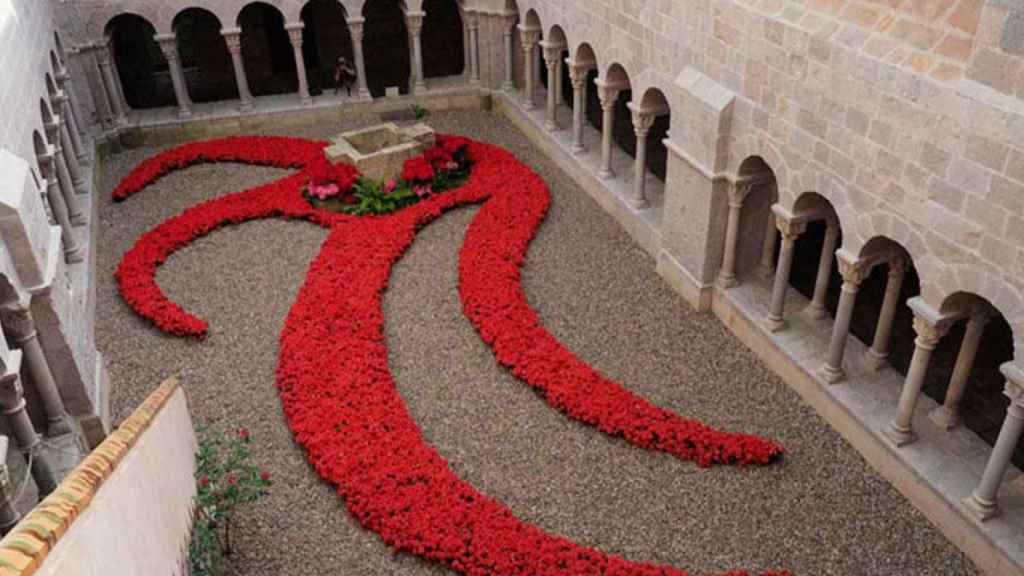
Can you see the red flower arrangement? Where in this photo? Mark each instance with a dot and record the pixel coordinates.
(342, 404)
(418, 169)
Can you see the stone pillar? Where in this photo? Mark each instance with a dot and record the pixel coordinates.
(947, 416)
(552, 58)
(169, 46)
(642, 122)
(20, 327)
(738, 192)
(295, 36)
(854, 271)
(9, 516)
(12, 401)
(578, 77)
(790, 231)
(608, 95)
(97, 87)
(60, 165)
(64, 107)
(233, 38)
(72, 250)
(77, 178)
(473, 23)
(530, 38)
(982, 501)
(111, 84)
(878, 354)
(816, 309)
(414, 21)
(510, 20)
(355, 28)
(929, 332)
(766, 266)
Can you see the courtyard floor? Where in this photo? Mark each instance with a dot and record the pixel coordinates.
(821, 511)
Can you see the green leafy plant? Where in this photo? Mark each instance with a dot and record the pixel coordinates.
(225, 480)
(419, 111)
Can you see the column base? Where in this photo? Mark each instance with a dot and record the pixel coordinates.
(725, 282)
(59, 427)
(899, 437)
(944, 418)
(577, 149)
(81, 186)
(982, 510)
(605, 174)
(831, 374)
(768, 273)
(639, 203)
(775, 324)
(245, 106)
(420, 88)
(815, 311)
(551, 126)
(74, 256)
(184, 113)
(83, 159)
(875, 360)
(307, 101)
(78, 220)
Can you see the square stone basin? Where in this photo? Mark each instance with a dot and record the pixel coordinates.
(379, 152)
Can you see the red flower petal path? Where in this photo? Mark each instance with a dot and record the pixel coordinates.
(339, 396)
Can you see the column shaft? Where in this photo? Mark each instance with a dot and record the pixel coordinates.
(833, 370)
(234, 42)
(642, 122)
(928, 336)
(295, 36)
(111, 84)
(790, 233)
(169, 47)
(20, 327)
(878, 354)
(474, 50)
(552, 54)
(608, 97)
(67, 188)
(414, 21)
(77, 178)
(982, 501)
(66, 109)
(355, 27)
(578, 77)
(816, 309)
(766, 266)
(97, 85)
(72, 250)
(509, 84)
(12, 400)
(948, 415)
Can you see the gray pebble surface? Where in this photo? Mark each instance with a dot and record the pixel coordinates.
(820, 511)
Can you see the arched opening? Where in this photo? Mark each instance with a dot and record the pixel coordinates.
(140, 64)
(44, 113)
(443, 40)
(386, 46)
(205, 60)
(757, 248)
(556, 36)
(55, 66)
(39, 145)
(51, 88)
(811, 252)
(982, 405)
(267, 50)
(622, 120)
(60, 46)
(325, 39)
(657, 153)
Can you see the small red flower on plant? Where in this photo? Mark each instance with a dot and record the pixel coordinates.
(265, 476)
(417, 169)
(204, 481)
(243, 434)
(232, 479)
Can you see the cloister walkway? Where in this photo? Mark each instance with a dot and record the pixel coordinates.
(821, 511)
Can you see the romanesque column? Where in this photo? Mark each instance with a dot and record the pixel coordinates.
(790, 232)
(510, 21)
(473, 23)
(738, 192)
(169, 46)
(929, 333)
(20, 328)
(64, 133)
(947, 416)
(643, 120)
(67, 187)
(414, 21)
(111, 83)
(982, 501)
(67, 109)
(530, 38)
(608, 95)
(63, 79)
(355, 28)
(12, 401)
(766, 265)
(552, 56)
(295, 35)
(878, 354)
(9, 515)
(233, 38)
(816, 309)
(97, 85)
(854, 271)
(72, 250)
(578, 77)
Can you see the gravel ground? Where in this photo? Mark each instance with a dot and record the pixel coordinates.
(822, 511)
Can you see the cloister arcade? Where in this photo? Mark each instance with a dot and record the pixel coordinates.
(793, 243)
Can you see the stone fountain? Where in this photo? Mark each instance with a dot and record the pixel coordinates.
(379, 152)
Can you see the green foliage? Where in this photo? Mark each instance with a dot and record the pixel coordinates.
(419, 112)
(371, 198)
(225, 480)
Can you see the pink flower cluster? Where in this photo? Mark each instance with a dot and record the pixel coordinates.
(340, 398)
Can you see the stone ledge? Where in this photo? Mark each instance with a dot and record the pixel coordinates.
(26, 547)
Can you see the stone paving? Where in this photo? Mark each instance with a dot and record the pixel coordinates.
(822, 511)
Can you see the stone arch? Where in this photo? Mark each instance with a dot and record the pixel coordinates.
(754, 145)
(653, 98)
(386, 46)
(532, 20)
(443, 39)
(203, 52)
(55, 63)
(758, 237)
(267, 50)
(876, 224)
(45, 113)
(982, 282)
(140, 64)
(325, 39)
(51, 88)
(41, 149)
(556, 35)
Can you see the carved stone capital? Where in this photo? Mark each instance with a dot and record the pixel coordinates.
(472, 20)
(12, 394)
(233, 38)
(295, 33)
(414, 22)
(739, 191)
(642, 123)
(103, 55)
(898, 267)
(529, 37)
(853, 271)
(552, 55)
(928, 333)
(789, 229)
(510, 19)
(18, 323)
